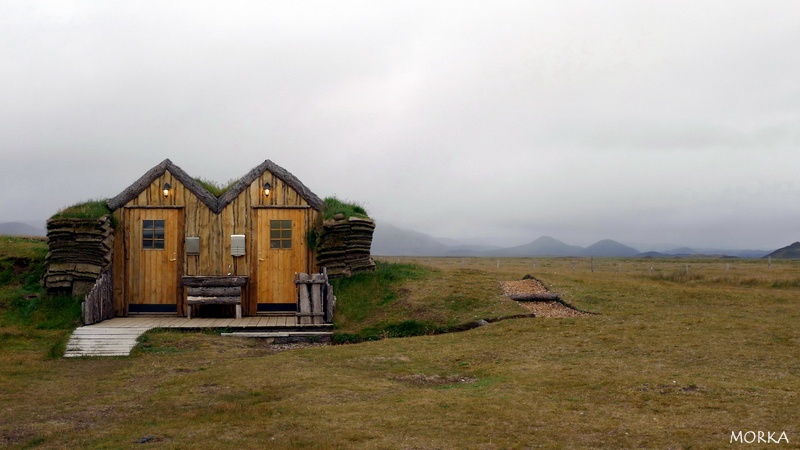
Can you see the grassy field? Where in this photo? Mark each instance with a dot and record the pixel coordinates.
(680, 354)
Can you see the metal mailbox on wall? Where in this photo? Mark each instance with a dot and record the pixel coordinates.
(237, 245)
(192, 245)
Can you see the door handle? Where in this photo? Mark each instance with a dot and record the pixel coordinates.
(174, 257)
(259, 256)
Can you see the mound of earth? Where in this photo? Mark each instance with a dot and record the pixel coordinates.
(546, 308)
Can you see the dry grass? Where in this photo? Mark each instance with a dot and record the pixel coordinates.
(667, 363)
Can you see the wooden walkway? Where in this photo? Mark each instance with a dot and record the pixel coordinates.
(117, 336)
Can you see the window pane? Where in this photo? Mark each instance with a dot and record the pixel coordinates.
(153, 234)
(274, 234)
(287, 244)
(286, 234)
(275, 244)
(286, 224)
(274, 224)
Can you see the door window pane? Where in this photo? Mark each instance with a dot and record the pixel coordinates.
(280, 234)
(153, 234)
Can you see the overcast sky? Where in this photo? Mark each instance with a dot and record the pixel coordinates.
(639, 121)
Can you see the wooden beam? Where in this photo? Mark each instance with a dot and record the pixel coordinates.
(213, 281)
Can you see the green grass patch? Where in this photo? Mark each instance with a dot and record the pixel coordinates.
(360, 295)
(45, 312)
(23, 300)
(14, 248)
(31, 320)
(335, 206)
(403, 300)
(215, 187)
(91, 209)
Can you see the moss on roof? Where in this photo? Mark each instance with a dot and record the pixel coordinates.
(335, 206)
(214, 187)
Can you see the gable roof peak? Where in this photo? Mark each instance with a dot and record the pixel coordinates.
(216, 204)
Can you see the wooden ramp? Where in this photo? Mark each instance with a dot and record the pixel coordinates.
(93, 340)
(117, 336)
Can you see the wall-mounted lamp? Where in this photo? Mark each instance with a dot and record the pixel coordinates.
(267, 189)
(166, 188)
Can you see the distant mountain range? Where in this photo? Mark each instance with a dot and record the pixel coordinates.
(393, 241)
(22, 229)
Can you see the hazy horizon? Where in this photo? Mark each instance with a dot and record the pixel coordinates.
(641, 246)
(504, 121)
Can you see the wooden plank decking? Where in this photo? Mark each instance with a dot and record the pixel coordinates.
(117, 336)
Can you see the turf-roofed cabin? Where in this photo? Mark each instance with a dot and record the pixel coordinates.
(172, 233)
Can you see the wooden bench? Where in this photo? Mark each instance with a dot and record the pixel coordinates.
(217, 290)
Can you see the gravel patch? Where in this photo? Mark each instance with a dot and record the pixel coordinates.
(539, 308)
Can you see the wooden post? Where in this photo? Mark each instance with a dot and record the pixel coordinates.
(303, 300)
(330, 304)
(592, 263)
(316, 298)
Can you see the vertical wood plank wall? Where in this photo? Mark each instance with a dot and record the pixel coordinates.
(214, 231)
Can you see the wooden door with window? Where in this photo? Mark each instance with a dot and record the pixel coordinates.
(153, 269)
(281, 252)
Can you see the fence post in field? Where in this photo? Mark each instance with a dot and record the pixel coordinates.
(592, 263)
(769, 262)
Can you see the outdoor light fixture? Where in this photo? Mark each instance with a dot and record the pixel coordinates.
(267, 188)
(167, 188)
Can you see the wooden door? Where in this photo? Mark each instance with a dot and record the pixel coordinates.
(153, 266)
(281, 252)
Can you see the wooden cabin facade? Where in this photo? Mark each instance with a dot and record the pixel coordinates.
(169, 227)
